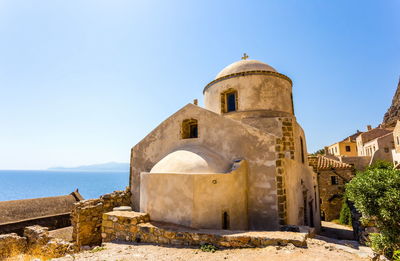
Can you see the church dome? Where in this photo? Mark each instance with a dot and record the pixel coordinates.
(244, 66)
(192, 160)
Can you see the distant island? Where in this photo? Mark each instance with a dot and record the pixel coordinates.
(110, 166)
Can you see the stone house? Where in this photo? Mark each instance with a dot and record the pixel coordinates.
(332, 176)
(239, 163)
(376, 143)
(346, 147)
(396, 149)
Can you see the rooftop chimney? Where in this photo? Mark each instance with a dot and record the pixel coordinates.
(195, 101)
(369, 127)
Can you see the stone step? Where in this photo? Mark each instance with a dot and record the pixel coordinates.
(136, 227)
(124, 218)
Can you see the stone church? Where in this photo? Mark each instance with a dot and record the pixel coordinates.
(239, 163)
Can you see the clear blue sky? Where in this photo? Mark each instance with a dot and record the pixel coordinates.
(82, 81)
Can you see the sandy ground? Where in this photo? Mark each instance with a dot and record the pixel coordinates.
(318, 249)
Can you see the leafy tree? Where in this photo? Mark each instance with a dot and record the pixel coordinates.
(376, 195)
(345, 214)
(319, 152)
(381, 164)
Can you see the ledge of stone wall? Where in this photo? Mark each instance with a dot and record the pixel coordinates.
(36, 242)
(11, 245)
(136, 227)
(51, 222)
(86, 216)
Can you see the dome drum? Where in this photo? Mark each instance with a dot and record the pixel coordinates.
(257, 87)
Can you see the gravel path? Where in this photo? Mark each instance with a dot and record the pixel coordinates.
(318, 249)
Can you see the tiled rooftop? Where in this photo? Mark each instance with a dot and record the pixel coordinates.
(321, 162)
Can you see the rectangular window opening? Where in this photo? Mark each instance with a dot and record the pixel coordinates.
(189, 129)
(231, 101)
(334, 180)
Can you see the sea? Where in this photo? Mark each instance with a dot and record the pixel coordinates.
(23, 184)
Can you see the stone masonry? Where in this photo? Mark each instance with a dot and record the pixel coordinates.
(284, 148)
(86, 216)
(136, 227)
(36, 242)
(332, 178)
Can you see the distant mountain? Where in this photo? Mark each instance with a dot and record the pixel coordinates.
(110, 166)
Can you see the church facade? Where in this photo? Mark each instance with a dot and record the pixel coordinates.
(239, 163)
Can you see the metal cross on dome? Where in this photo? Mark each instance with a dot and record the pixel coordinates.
(245, 56)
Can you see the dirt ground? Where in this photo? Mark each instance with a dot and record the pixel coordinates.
(318, 249)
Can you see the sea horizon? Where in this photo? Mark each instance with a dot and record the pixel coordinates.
(25, 184)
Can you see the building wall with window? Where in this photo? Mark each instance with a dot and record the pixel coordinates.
(332, 177)
(343, 148)
(380, 148)
(396, 137)
(365, 140)
(396, 140)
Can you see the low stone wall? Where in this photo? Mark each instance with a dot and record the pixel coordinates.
(361, 228)
(11, 245)
(136, 227)
(36, 242)
(86, 216)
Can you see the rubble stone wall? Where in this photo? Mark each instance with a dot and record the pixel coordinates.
(36, 242)
(136, 227)
(331, 195)
(86, 216)
(11, 245)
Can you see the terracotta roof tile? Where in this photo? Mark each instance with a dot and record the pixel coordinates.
(323, 163)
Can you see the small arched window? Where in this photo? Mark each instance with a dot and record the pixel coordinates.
(189, 129)
(302, 149)
(229, 101)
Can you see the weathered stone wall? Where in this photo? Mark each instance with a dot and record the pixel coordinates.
(11, 245)
(86, 216)
(36, 242)
(216, 134)
(361, 228)
(52, 222)
(332, 194)
(184, 199)
(135, 227)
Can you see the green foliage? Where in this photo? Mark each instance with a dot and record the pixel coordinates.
(97, 249)
(345, 214)
(396, 255)
(319, 152)
(381, 164)
(376, 194)
(208, 248)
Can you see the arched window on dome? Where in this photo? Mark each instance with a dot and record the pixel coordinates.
(229, 101)
(189, 129)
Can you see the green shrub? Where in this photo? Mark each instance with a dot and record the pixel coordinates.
(381, 164)
(396, 255)
(376, 194)
(208, 248)
(319, 152)
(345, 214)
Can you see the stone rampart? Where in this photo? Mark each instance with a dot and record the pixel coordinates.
(135, 227)
(52, 222)
(86, 216)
